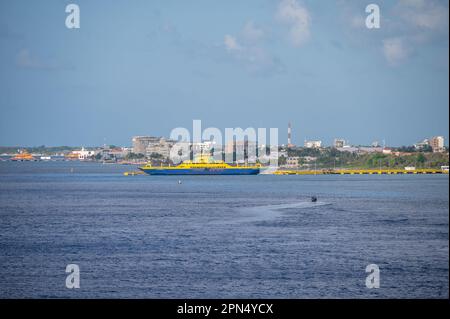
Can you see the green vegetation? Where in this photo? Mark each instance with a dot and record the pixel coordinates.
(419, 160)
(156, 156)
(325, 158)
(132, 156)
(412, 149)
(282, 160)
(331, 158)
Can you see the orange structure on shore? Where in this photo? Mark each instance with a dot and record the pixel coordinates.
(23, 156)
(71, 156)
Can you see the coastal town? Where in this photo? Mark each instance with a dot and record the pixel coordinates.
(430, 153)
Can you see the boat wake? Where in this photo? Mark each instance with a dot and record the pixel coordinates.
(267, 212)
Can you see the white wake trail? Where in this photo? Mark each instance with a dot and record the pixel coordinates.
(267, 212)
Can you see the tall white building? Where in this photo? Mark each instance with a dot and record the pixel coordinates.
(437, 143)
(148, 145)
(140, 143)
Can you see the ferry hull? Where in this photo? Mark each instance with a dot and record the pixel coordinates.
(201, 171)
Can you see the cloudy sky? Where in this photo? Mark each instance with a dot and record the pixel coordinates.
(146, 67)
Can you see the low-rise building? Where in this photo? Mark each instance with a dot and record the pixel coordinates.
(313, 144)
(421, 145)
(350, 149)
(364, 149)
(81, 155)
(309, 159)
(360, 149)
(339, 143)
(293, 162)
(119, 152)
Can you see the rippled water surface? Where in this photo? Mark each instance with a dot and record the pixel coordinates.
(219, 236)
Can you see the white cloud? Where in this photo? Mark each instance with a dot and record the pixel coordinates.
(252, 33)
(431, 15)
(422, 22)
(248, 51)
(231, 43)
(407, 27)
(395, 50)
(290, 12)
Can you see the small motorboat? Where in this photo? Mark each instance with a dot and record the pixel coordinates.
(313, 199)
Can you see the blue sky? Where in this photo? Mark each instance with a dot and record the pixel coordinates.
(146, 67)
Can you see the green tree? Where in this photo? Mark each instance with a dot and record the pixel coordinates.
(281, 160)
(131, 156)
(421, 159)
(156, 155)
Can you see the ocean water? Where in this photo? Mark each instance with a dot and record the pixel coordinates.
(219, 236)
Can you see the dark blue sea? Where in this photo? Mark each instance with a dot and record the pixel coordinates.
(219, 236)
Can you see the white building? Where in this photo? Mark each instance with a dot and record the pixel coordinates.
(421, 145)
(140, 143)
(339, 143)
(148, 145)
(84, 154)
(313, 144)
(205, 147)
(161, 147)
(293, 162)
(309, 159)
(437, 143)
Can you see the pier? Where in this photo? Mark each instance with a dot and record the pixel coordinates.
(359, 171)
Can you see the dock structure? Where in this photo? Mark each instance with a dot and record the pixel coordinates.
(359, 171)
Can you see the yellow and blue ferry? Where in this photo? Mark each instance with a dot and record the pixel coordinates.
(203, 165)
